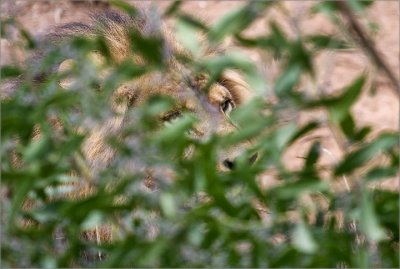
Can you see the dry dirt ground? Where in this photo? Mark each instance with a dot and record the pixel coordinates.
(334, 69)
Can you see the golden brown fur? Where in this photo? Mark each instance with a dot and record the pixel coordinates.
(179, 82)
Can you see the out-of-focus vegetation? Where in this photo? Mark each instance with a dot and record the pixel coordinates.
(239, 224)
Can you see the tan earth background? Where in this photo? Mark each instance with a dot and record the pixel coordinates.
(378, 108)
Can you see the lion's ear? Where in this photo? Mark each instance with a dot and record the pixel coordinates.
(236, 85)
(67, 66)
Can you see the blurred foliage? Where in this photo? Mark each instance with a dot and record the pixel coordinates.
(357, 228)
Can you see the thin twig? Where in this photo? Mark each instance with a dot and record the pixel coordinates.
(368, 45)
(98, 240)
(334, 160)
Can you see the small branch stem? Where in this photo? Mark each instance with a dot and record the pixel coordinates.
(368, 45)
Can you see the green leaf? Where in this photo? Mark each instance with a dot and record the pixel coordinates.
(360, 5)
(168, 206)
(229, 24)
(299, 55)
(30, 42)
(196, 235)
(49, 262)
(326, 7)
(340, 107)
(303, 240)
(187, 34)
(286, 82)
(313, 155)
(357, 158)
(216, 65)
(195, 23)
(242, 116)
(283, 135)
(237, 20)
(16, 119)
(278, 37)
(95, 218)
(348, 126)
(37, 149)
(124, 7)
(362, 133)
(151, 48)
(152, 253)
(310, 126)
(297, 188)
(173, 8)
(23, 186)
(368, 220)
(175, 131)
(378, 173)
(8, 71)
(386, 207)
(276, 42)
(326, 42)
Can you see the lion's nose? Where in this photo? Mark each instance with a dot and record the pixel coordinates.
(229, 164)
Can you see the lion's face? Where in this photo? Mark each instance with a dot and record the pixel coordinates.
(211, 107)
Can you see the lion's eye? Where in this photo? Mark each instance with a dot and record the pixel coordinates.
(227, 106)
(172, 117)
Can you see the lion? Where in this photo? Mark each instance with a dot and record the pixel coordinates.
(182, 84)
(211, 104)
